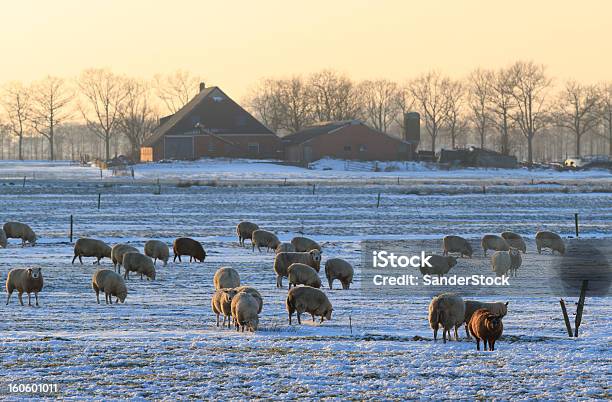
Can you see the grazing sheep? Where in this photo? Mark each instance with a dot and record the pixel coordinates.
(456, 244)
(253, 292)
(515, 240)
(117, 252)
(157, 250)
(85, 247)
(448, 310)
(190, 247)
(138, 263)
(304, 244)
(28, 280)
(18, 230)
(494, 242)
(440, 265)
(285, 248)
(549, 240)
(244, 311)
(486, 326)
(226, 277)
(221, 304)
(499, 308)
(111, 283)
(515, 262)
(261, 238)
(283, 260)
(306, 299)
(245, 230)
(504, 261)
(302, 274)
(2, 238)
(337, 268)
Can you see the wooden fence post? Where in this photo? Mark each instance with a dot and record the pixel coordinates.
(71, 224)
(576, 224)
(568, 326)
(578, 320)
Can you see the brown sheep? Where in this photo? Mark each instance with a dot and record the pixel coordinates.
(18, 230)
(305, 299)
(515, 240)
(302, 274)
(549, 240)
(304, 244)
(283, 260)
(221, 302)
(261, 238)
(499, 308)
(440, 265)
(190, 247)
(487, 327)
(456, 244)
(245, 230)
(28, 280)
(117, 252)
(337, 268)
(139, 263)
(111, 283)
(494, 242)
(85, 247)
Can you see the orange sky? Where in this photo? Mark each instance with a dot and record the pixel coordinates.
(234, 43)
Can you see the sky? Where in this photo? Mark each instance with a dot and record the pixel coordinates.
(233, 44)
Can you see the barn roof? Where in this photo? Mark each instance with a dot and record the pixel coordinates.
(311, 132)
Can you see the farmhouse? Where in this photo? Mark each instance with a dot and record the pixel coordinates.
(211, 125)
(350, 139)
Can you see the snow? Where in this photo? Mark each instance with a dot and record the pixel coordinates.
(163, 343)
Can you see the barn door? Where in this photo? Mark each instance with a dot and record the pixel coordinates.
(181, 148)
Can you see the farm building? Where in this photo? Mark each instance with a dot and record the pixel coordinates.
(211, 125)
(351, 139)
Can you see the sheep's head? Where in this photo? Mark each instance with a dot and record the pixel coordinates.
(34, 273)
(228, 294)
(121, 295)
(316, 255)
(327, 314)
(252, 324)
(151, 275)
(514, 252)
(452, 261)
(467, 249)
(495, 320)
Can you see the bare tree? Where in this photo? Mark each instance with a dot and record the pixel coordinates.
(605, 110)
(50, 100)
(137, 117)
(429, 91)
(176, 90)
(263, 101)
(576, 110)
(103, 93)
(530, 86)
(501, 105)
(453, 120)
(333, 96)
(405, 104)
(293, 99)
(17, 103)
(478, 95)
(380, 102)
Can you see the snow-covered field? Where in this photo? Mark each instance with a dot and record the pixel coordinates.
(163, 343)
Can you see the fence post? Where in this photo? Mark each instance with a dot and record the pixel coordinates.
(99, 198)
(71, 224)
(378, 201)
(578, 320)
(24, 179)
(100, 172)
(568, 326)
(314, 186)
(576, 224)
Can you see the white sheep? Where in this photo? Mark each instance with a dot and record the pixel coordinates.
(306, 299)
(456, 244)
(494, 242)
(244, 311)
(85, 247)
(499, 308)
(245, 230)
(440, 265)
(282, 261)
(221, 304)
(553, 241)
(515, 240)
(117, 252)
(304, 244)
(139, 263)
(502, 261)
(261, 238)
(337, 268)
(158, 250)
(111, 283)
(253, 292)
(18, 230)
(447, 310)
(226, 277)
(302, 274)
(28, 280)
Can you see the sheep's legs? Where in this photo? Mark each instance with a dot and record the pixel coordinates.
(20, 299)
(98, 296)
(477, 344)
(8, 297)
(484, 343)
(456, 333)
(299, 318)
(36, 297)
(492, 345)
(74, 258)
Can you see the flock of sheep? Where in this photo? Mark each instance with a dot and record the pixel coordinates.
(300, 262)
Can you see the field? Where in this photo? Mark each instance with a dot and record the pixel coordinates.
(163, 343)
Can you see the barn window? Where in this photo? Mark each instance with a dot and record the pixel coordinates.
(362, 148)
(253, 147)
(347, 148)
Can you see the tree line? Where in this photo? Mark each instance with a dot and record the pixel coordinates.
(512, 109)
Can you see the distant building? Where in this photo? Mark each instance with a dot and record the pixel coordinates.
(211, 125)
(351, 139)
(476, 157)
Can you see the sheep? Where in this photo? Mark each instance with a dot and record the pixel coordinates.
(111, 283)
(283, 260)
(486, 326)
(190, 247)
(448, 310)
(244, 311)
(499, 308)
(456, 244)
(28, 280)
(302, 274)
(138, 263)
(306, 299)
(337, 268)
(285, 248)
(253, 292)
(85, 247)
(515, 240)
(440, 265)
(261, 238)
(494, 242)
(504, 261)
(2, 238)
(245, 230)
(515, 262)
(553, 241)
(226, 277)
(18, 230)
(304, 244)
(221, 304)
(117, 252)
(157, 250)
